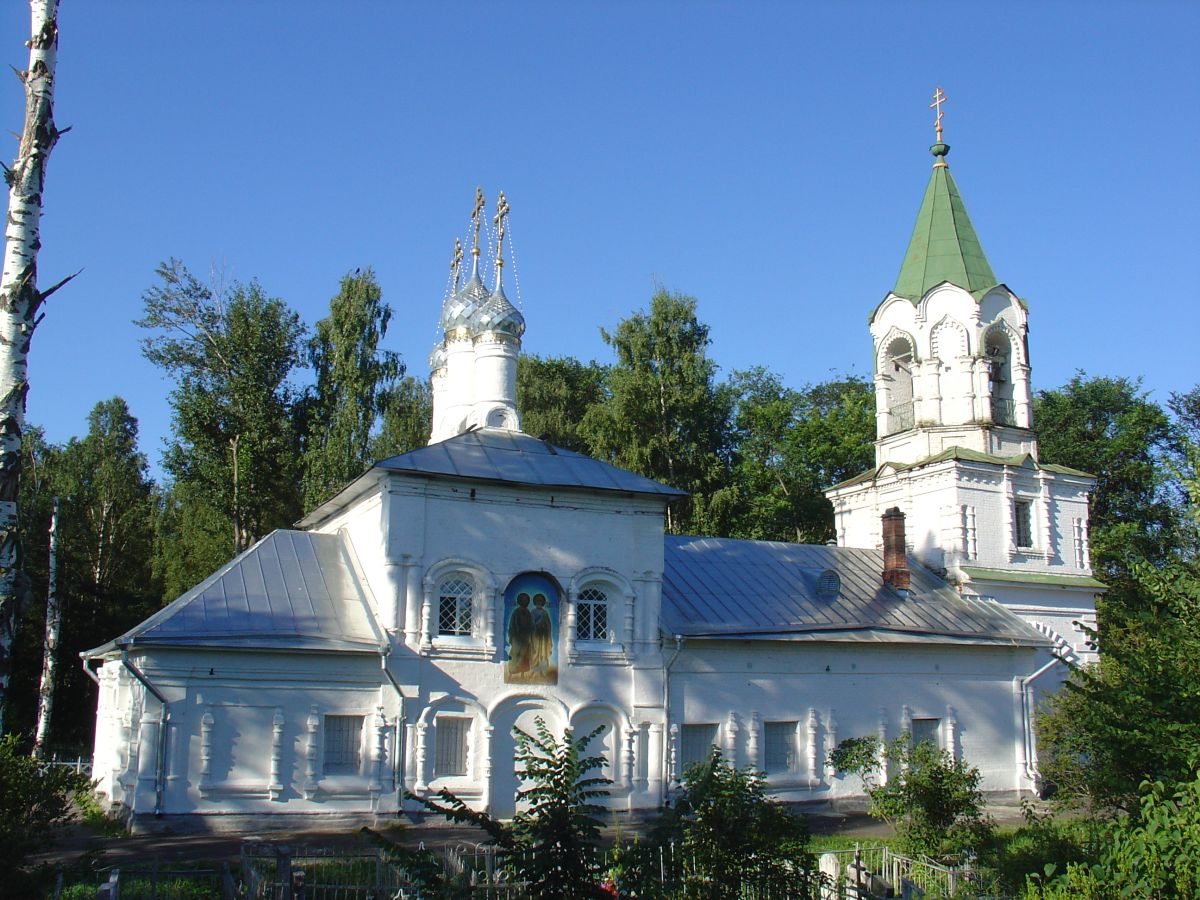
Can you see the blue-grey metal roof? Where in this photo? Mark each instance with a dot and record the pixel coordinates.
(292, 590)
(724, 588)
(496, 454)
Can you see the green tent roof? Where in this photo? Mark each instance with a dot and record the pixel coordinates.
(943, 246)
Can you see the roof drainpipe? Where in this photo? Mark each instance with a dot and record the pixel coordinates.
(666, 747)
(397, 772)
(160, 768)
(895, 555)
(1027, 735)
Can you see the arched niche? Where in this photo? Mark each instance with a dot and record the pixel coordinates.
(999, 352)
(894, 381)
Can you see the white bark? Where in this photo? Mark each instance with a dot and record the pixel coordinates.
(50, 650)
(20, 300)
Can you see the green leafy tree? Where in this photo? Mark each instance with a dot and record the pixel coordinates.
(731, 836)
(554, 393)
(353, 380)
(665, 416)
(552, 843)
(407, 418)
(789, 445)
(931, 799)
(1153, 852)
(1136, 712)
(1110, 428)
(34, 804)
(233, 454)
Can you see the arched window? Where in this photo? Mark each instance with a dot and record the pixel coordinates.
(1000, 386)
(591, 615)
(456, 596)
(896, 364)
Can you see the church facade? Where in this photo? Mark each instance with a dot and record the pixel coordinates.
(393, 640)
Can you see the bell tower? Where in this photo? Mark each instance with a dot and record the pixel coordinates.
(955, 449)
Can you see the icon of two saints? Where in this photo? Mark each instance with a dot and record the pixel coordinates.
(531, 623)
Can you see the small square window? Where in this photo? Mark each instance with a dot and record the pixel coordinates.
(450, 746)
(695, 744)
(343, 744)
(780, 740)
(1024, 523)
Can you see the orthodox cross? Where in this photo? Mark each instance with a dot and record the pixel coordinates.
(456, 263)
(498, 221)
(476, 211)
(938, 99)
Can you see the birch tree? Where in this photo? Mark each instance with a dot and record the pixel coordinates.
(233, 456)
(20, 301)
(50, 647)
(353, 378)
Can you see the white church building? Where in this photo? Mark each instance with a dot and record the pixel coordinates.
(393, 640)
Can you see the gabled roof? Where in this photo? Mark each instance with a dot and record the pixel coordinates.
(292, 590)
(511, 457)
(943, 246)
(756, 590)
(962, 454)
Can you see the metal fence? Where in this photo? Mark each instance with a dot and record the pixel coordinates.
(80, 765)
(278, 872)
(1004, 412)
(900, 417)
(878, 871)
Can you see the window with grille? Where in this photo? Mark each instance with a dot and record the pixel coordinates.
(455, 598)
(450, 750)
(927, 730)
(343, 744)
(591, 615)
(1024, 523)
(780, 741)
(695, 744)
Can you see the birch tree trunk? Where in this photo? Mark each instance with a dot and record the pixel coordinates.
(20, 300)
(50, 651)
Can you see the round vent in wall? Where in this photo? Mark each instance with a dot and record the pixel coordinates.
(829, 585)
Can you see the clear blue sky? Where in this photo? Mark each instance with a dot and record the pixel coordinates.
(767, 158)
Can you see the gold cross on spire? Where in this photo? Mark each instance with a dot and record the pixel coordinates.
(476, 211)
(938, 99)
(498, 221)
(456, 263)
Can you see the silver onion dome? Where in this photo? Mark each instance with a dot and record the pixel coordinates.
(497, 314)
(459, 308)
(437, 356)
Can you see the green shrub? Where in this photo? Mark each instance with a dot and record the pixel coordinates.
(34, 802)
(931, 799)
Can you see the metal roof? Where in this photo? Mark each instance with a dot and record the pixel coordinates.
(944, 246)
(496, 454)
(724, 588)
(291, 590)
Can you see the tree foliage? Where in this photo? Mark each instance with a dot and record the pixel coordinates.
(551, 844)
(554, 393)
(234, 453)
(353, 380)
(407, 418)
(665, 416)
(731, 835)
(931, 799)
(789, 446)
(34, 803)
(1136, 712)
(1110, 428)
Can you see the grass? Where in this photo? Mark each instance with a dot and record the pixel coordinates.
(96, 817)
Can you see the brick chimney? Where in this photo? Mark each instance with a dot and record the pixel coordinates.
(895, 558)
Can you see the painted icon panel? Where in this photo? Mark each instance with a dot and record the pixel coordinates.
(531, 609)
